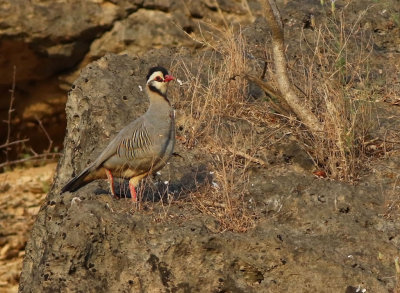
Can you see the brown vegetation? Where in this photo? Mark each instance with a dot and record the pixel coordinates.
(333, 119)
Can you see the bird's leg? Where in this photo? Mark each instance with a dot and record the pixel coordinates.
(132, 189)
(111, 182)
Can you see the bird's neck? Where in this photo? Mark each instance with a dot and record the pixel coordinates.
(159, 104)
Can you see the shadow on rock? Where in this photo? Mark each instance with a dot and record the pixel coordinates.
(159, 188)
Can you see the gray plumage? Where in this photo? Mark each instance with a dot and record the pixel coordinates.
(140, 148)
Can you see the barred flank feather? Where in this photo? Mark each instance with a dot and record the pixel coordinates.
(140, 141)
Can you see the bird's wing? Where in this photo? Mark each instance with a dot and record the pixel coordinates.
(133, 140)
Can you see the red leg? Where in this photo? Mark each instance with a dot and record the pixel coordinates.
(133, 191)
(111, 181)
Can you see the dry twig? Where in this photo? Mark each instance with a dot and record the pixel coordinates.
(219, 150)
(46, 133)
(36, 157)
(6, 145)
(10, 110)
(47, 155)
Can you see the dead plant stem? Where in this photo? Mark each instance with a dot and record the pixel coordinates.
(10, 111)
(274, 21)
(46, 133)
(36, 157)
(5, 145)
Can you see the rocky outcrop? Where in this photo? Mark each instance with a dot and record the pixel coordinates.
(309, 233)
(108, 90)
(43, 38)
(48, 42)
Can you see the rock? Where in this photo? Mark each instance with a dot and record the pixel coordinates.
(41, 39)
(39, 46)
(134, 35)
(49, 42)
(103, 99)
(309, 234)
(163, 5)
(87, 241)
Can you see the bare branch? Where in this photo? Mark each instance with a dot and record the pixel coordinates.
(46, 133)
(48, 156)
(283, 107)
(10, 110)
(13, 143)
(273, 19)
(247, 157)
(238, 153)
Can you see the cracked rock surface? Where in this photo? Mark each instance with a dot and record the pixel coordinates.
(309, 235)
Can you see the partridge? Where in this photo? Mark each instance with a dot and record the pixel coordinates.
(140, 148)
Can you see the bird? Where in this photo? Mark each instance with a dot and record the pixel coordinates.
(142, 147)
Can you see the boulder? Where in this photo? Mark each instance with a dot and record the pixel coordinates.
(308, 234)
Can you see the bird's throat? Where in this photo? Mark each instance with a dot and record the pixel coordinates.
(159, 104)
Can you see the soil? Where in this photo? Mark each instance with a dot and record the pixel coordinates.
(22, 192)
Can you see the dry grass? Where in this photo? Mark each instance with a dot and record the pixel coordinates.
(392, 214)
(336, 78)
(227, 198)
(211, 90)
(393, 200)
(213, 111)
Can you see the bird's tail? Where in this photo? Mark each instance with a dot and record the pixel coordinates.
(77, 182)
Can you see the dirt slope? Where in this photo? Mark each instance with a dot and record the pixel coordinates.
(22, 192)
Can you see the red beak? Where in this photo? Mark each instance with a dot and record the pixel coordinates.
(168, 78)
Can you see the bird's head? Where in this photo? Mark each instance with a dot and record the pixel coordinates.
(157, 80)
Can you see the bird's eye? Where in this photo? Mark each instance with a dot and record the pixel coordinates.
(158, 78)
